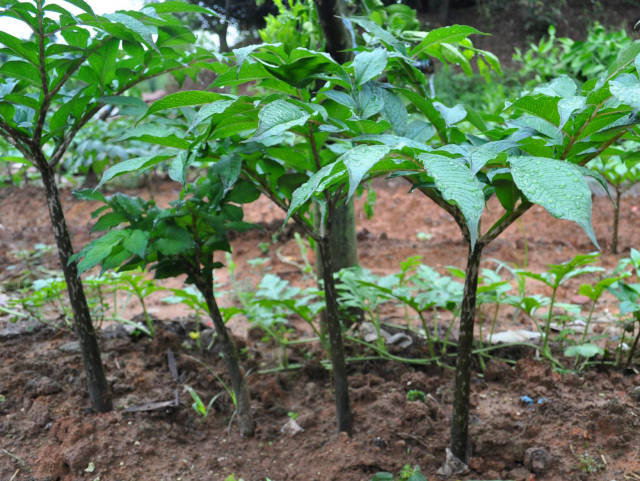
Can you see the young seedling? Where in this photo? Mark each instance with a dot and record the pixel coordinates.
(181, 239)
(620, 165)
(554, 277)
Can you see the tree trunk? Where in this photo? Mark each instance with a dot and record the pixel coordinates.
(238, 382)
(96, 380)
(332, 319)
(460, 415)
(616, 221)
(336, 34)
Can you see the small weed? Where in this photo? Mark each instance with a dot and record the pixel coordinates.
(589, 464)
(416, 395)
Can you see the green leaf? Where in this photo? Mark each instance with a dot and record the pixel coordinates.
(133, 24)
(316, 183)
(426, 106)
(137, 242)
(174, 6)
(108, 221)
(137, 164)
(82, 5)
(458, 186)
(21, 70)
(557, 186)
(24, 49)
(175, 241)
(369, 65)
(541, 106)
(379, 33)
(99, 249)
(627, 56)
(177, 170)
(585, 350)
(184, 99)
(277, 117)
(451, 34)
(452, 115)
(626, 88)
(243, 192)
(359, 160)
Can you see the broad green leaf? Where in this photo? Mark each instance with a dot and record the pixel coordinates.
(370, 101)
(541, 106)
(342, 98)
(458, 186)
(21, 70)
(137, 164)
(626, 88)
(24, 49)
(567, 106)
(177, 168)
(278, 117)
(627, 56)
(108, 221)
(82, 5)
(451, 34)
(369, 65)
(175, 241)
(395, 112)
(137, 242)
(174, 6)
(557, 186)
(379, 33)
(584, 350)
(99, 249)
(184, 99)
(451, 115)
(145, 31)
(316, 183)
(359, 160)
(207, 111)
(425, 105)
(157, 134)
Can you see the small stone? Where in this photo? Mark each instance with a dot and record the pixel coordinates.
(291, 428)
(379, 442)
(537, 459)
(635, 393)
(71, 347)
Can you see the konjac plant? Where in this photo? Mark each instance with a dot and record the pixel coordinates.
(534, 152)
(179, 240)
(311, 113)
(57, 80)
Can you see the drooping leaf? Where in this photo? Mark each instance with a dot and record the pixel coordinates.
(137, 164)
(277, 117)
(359, 160)
(626, 88)
(457, 185)
(137, 242)
(557, 186)
(184, 99)
(451, 34)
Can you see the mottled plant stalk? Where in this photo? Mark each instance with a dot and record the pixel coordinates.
(238, 381)
(96, 381)
(334, 329)
(462, 389)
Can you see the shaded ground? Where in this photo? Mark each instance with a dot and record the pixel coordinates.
(589, 424)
